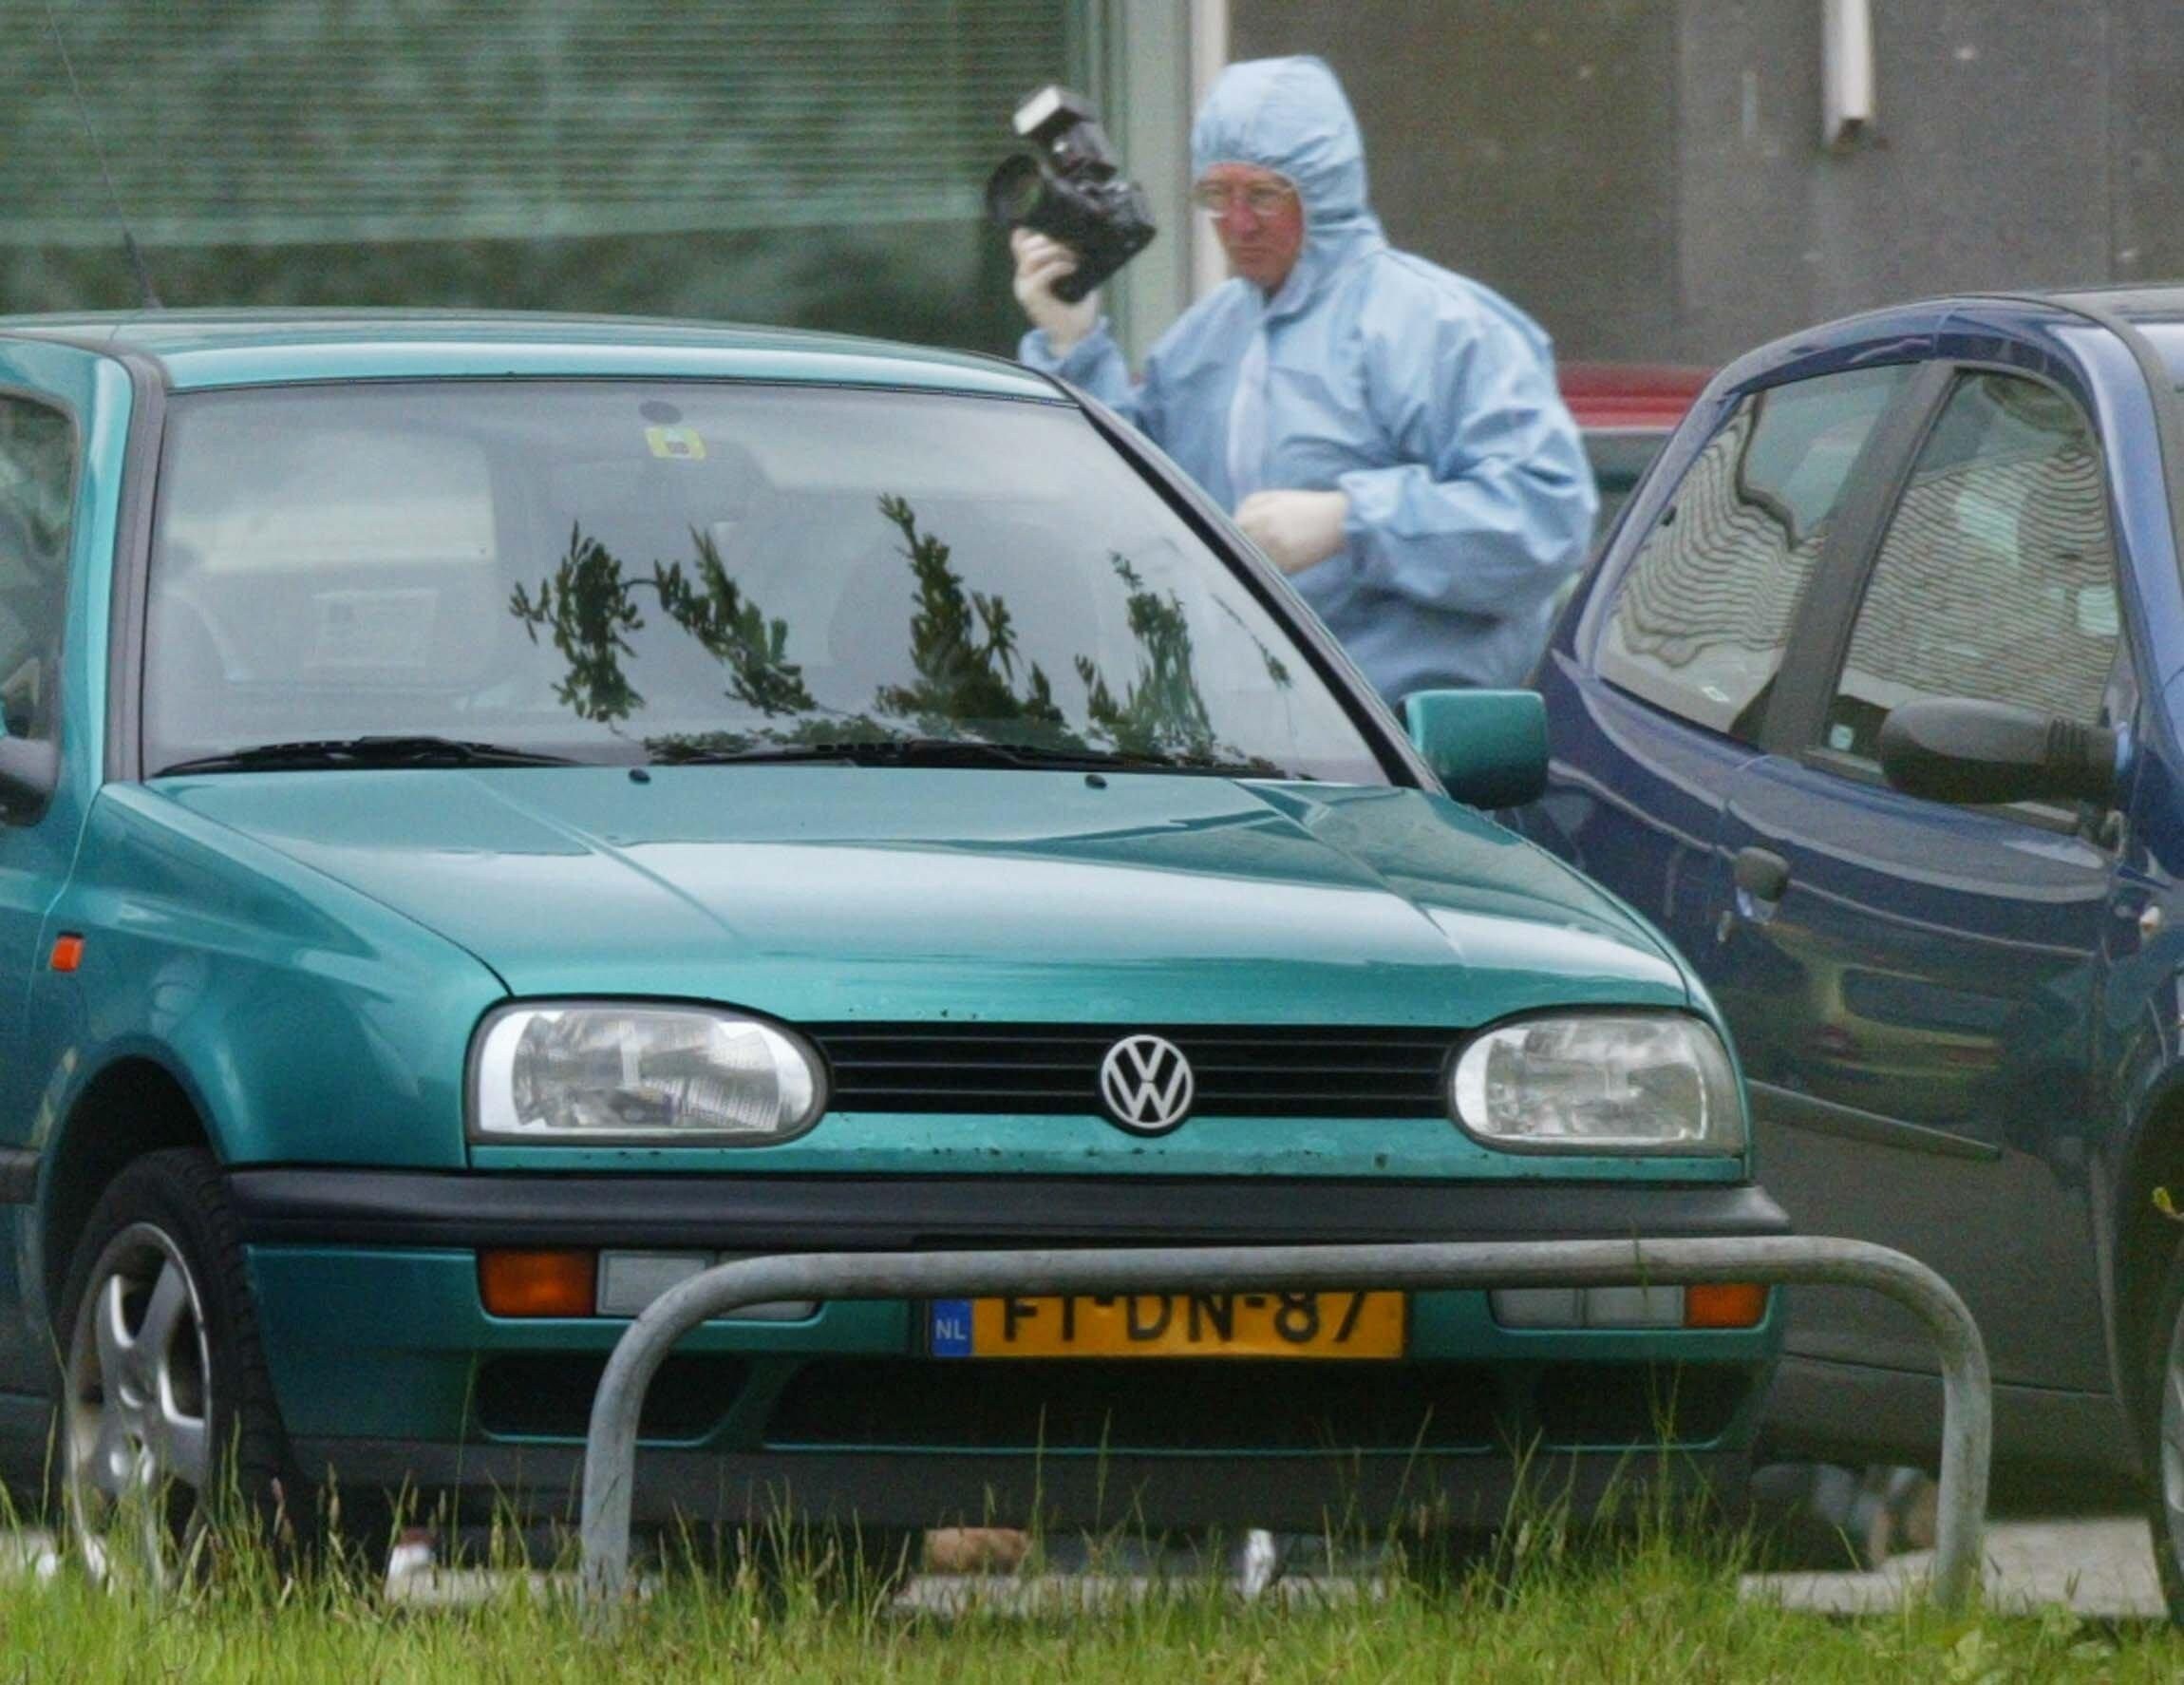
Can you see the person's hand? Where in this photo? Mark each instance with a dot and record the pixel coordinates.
(1041, 262)
(1296, 529)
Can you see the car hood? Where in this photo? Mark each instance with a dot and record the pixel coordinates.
(830, 893)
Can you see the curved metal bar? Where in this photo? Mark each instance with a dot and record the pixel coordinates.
(1967, 1427)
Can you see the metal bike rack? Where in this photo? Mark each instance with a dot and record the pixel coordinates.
(1968, 1426)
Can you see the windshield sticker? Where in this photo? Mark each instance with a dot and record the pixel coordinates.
(676, 444)
(374, 629)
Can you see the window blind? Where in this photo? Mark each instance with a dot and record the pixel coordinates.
(285, 122)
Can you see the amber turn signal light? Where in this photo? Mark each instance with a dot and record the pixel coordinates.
(1724, 1304)
(538, 1283)
(68, 952)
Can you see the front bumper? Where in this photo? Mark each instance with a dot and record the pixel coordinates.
(351, 1207)
(389, 1370)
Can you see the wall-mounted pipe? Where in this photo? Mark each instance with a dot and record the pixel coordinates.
(1847, 110)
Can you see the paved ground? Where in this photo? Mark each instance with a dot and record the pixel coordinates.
(2102, 1568)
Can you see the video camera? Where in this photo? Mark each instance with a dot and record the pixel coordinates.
(1071, 189)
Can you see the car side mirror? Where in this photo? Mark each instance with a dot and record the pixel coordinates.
(1488, 748)
(29, 770)
(1955, 750)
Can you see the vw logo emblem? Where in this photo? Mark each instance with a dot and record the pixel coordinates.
(1147, 1084)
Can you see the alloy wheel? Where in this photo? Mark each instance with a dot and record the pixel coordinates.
(138, 1410)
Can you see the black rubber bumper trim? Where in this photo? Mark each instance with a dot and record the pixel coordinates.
(344, 1206)
(1287, 1493)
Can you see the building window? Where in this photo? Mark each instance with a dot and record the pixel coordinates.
(772, 161)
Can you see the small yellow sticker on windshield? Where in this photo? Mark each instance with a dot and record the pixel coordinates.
(680, 445)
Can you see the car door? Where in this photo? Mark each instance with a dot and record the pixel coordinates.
(1656, 702)
(1910, 984)
(54, 401)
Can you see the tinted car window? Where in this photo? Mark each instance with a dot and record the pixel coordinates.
(37, 479)
(620, 572)
(1997, 578)
(1620, 457)
(1701, 619)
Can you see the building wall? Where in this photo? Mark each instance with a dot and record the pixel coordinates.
(1647, 177)
(1643, 175)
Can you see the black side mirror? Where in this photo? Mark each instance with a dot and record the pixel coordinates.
(1956, 749)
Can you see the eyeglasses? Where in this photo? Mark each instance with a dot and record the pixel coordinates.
(1218, 199)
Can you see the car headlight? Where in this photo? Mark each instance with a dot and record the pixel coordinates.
(1615, 1083)
(615, 1070)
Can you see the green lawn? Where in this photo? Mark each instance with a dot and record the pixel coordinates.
(1643, 1610)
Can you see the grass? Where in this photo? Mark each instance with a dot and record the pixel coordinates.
(1644, 1605)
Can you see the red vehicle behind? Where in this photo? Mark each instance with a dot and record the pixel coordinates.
(1626, 411)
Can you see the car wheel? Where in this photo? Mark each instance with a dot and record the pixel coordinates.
(2165, 1455)
(167, 1415)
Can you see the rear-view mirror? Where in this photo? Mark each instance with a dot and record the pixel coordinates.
(1957, 749)
(1488, 748)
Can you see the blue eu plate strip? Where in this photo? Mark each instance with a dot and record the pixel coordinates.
(951, 1327)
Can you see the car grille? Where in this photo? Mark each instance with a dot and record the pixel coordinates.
(1259, 1071)
(548, 1394)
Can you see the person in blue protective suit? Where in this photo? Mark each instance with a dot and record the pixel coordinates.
(1388, 432)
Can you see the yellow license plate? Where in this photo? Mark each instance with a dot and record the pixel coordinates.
(1173, 1325)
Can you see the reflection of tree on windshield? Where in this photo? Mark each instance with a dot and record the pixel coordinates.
(733, 631)
(1277, 670)
(1162, 711)
(962, 647)
(587, 605)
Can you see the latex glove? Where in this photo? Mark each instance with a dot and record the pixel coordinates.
(1041, 262)
(1296, 529)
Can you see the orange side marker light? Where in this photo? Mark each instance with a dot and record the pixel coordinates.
(68, 952)
(538, 1283)
(1724, 1304)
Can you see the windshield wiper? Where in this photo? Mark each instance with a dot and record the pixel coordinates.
(365, 751)
(961, 751)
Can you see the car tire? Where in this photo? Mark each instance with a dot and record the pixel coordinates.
(2165, 1436)
(167, 1422)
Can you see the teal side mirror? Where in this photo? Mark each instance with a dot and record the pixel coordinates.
(1489, 747)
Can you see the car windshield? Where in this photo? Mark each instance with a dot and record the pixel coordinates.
(621, 573)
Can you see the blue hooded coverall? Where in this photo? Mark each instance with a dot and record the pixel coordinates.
(1426, 398)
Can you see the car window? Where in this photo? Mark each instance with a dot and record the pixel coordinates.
(1702, 613)
(37, 481)
(1996, 580)
(619, 572)
(1620, 457)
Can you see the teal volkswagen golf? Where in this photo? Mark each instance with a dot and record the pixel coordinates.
(503, 813)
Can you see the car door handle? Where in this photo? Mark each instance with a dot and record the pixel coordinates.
(1760, 873)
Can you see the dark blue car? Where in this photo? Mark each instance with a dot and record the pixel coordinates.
(1875, 703)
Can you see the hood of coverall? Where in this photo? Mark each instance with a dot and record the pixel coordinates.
(1290, 116)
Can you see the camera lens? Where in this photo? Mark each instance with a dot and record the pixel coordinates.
(1013, 190)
